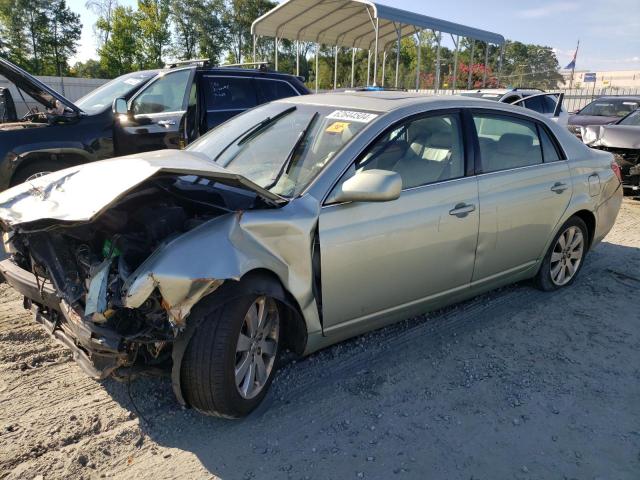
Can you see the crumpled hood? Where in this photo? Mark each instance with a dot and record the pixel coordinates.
(37, 90)
(614, 136)
(80, 193)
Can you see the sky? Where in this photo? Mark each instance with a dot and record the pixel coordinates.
(608, 30)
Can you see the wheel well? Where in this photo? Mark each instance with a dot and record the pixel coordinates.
(60, 160)
(590, 221)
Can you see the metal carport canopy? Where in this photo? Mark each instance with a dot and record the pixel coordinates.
(353, 23)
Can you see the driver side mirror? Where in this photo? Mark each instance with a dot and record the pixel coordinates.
(369, 186)
(120, 106)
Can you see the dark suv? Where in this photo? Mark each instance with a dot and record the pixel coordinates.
(137, 112)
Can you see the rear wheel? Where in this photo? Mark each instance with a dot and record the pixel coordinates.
(230, 361)
(565, 257)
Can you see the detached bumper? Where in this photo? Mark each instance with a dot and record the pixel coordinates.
(97, 350)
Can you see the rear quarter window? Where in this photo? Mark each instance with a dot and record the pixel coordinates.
(270, 90)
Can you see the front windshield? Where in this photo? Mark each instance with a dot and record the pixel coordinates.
(282, 147)
(632, 119)
(103, 96)
(615, 107)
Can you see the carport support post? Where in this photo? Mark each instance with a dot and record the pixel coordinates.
(437, 85)
(470, 76)
(384, 65)
(255, 39)
(335, 70)
(317, 50)
(368, 68)
(500, 63)
(275, 45)
(353, 64)
(375, 54)
(398, 32)
(298, 57)
(486, 64)
(454, 80)
(419, 34)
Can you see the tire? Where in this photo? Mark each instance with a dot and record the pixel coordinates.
(34, 169)
(549, 276)
(208, 372)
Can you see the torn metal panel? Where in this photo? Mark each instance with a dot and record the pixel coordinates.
(229, 247)
(614, 136)
(96, 302)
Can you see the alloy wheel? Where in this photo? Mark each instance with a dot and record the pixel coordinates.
(257, 347)
(566, 256)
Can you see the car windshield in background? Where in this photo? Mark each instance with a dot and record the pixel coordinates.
(610, 108)
(282, 147)
(633, 119)
(103, 96)
(485, 95)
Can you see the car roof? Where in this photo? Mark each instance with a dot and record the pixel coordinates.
(618, 97)
(387, 101)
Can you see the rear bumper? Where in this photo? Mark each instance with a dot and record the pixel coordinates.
(96, 349)
(607, 214)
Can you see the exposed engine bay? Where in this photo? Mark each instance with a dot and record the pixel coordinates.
(88, 265)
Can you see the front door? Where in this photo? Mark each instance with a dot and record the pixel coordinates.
(158, 114)
(525, 187)
(378, 259)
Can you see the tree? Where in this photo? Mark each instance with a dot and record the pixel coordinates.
(34, 12)
(238, 17)
(64, 30)
(13, 42)
(103, 9)
(198, 29)
(89, 69)
(153, 20)
(120, 54)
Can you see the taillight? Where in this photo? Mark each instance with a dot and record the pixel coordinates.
(616, 169)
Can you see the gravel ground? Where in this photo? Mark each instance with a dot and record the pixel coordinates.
(514, 384)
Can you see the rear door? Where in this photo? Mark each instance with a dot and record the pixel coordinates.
(226, 96)
(524, 188)
(158, 114)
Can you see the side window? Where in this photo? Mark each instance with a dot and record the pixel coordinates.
(166, 94)
(507, 142)
(536, 104)
(549, 150)
(270, 90)
(422, 151)
(229, 93)
(550, 103)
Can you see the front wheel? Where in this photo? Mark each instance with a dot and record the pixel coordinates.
(230, 362)
(565, 257)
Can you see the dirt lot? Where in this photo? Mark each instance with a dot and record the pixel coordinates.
(514, 384)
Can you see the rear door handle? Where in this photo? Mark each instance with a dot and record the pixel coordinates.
(559, 187)
(166, 123)
(461, 210)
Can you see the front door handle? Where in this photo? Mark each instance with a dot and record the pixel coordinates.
(166, 123)
(461, 210)
(559, 187)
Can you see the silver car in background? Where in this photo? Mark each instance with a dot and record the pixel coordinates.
(296, 225)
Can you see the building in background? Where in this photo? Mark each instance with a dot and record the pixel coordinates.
(620, 79)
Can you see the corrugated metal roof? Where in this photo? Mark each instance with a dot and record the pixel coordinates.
(350, 23)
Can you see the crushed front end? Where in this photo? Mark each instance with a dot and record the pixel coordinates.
(73, 274)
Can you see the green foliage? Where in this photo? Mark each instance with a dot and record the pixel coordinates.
(39, 35)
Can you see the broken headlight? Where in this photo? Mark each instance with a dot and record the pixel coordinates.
(7, 243)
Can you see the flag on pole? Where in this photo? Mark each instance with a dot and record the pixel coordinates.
(572, 64)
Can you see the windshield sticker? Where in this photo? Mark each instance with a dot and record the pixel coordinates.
(133, 81)
(351, 116)
(337, 127)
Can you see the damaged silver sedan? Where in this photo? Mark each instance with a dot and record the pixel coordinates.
(296, 225)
